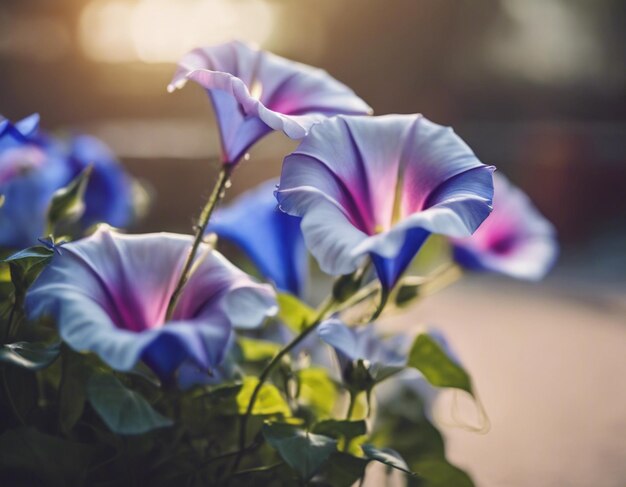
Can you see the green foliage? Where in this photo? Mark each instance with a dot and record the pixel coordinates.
(67, 203)
(387, 456)
(25, 266)
(343, 469)
(269, 402)
(31, 356)
(76, 370)
(124, 411)
(438, 368)
(303, 451)
(294, 313)
(30, 457)
(317, 391)
(404, 426)
(435, 472)
(254, 350)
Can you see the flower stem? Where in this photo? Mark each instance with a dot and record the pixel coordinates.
(353, 396)
(216, 195)
(324, 309)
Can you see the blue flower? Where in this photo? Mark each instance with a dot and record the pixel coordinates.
(33, 165)
(270, 238)
(109, 194)
(255, 92)
(29, 176)
(109, 293)
(378, 186)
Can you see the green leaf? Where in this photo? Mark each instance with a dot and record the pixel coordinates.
(254, 350)
(341, 429)
(303, 451)
(344, 470)
(440, 370)
(76, 371)
(389, 457)
(440, 473)
(317, 391)
(67, 203)
(269, 401)
(26, 265)
(294, 313)
(31, 356)
(124, 411)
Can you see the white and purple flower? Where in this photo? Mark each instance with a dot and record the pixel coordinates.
(270, 238)
(516, 240)
(378, 186)
(255, 92)
(109, 294)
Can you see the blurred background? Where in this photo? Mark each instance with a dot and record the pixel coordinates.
(536, 87)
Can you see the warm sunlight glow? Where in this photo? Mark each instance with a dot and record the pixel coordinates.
(156, 31)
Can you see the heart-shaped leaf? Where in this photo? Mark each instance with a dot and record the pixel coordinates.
(303, 451)
(124, 411)
(434, 363)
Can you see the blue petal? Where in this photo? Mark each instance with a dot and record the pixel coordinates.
(108, 198)
(389, 270)
(271, 239)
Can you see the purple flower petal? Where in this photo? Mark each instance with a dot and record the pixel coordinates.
(516, 240)
(109, 294)
(255, 92)
(378, 186)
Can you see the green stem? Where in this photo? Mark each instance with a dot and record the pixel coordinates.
(384, 297)
(216, 195)
(353, 396)
(325, 308)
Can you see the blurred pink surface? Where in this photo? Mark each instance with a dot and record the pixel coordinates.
(549, 363)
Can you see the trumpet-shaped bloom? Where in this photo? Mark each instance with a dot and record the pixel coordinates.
(381, 357)
(516, 240)
(109, 294)
(109, 194)
(379, 186)
(29, 176)
(34, 165)
(271, 239)
(254, 92)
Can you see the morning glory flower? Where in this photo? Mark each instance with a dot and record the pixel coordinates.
(109, 295)
(29, 176)
(33, 165)
(362, 347)
(516, 240)
(109, 194)
(270, 238)
(379, 186)
(255, 92)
